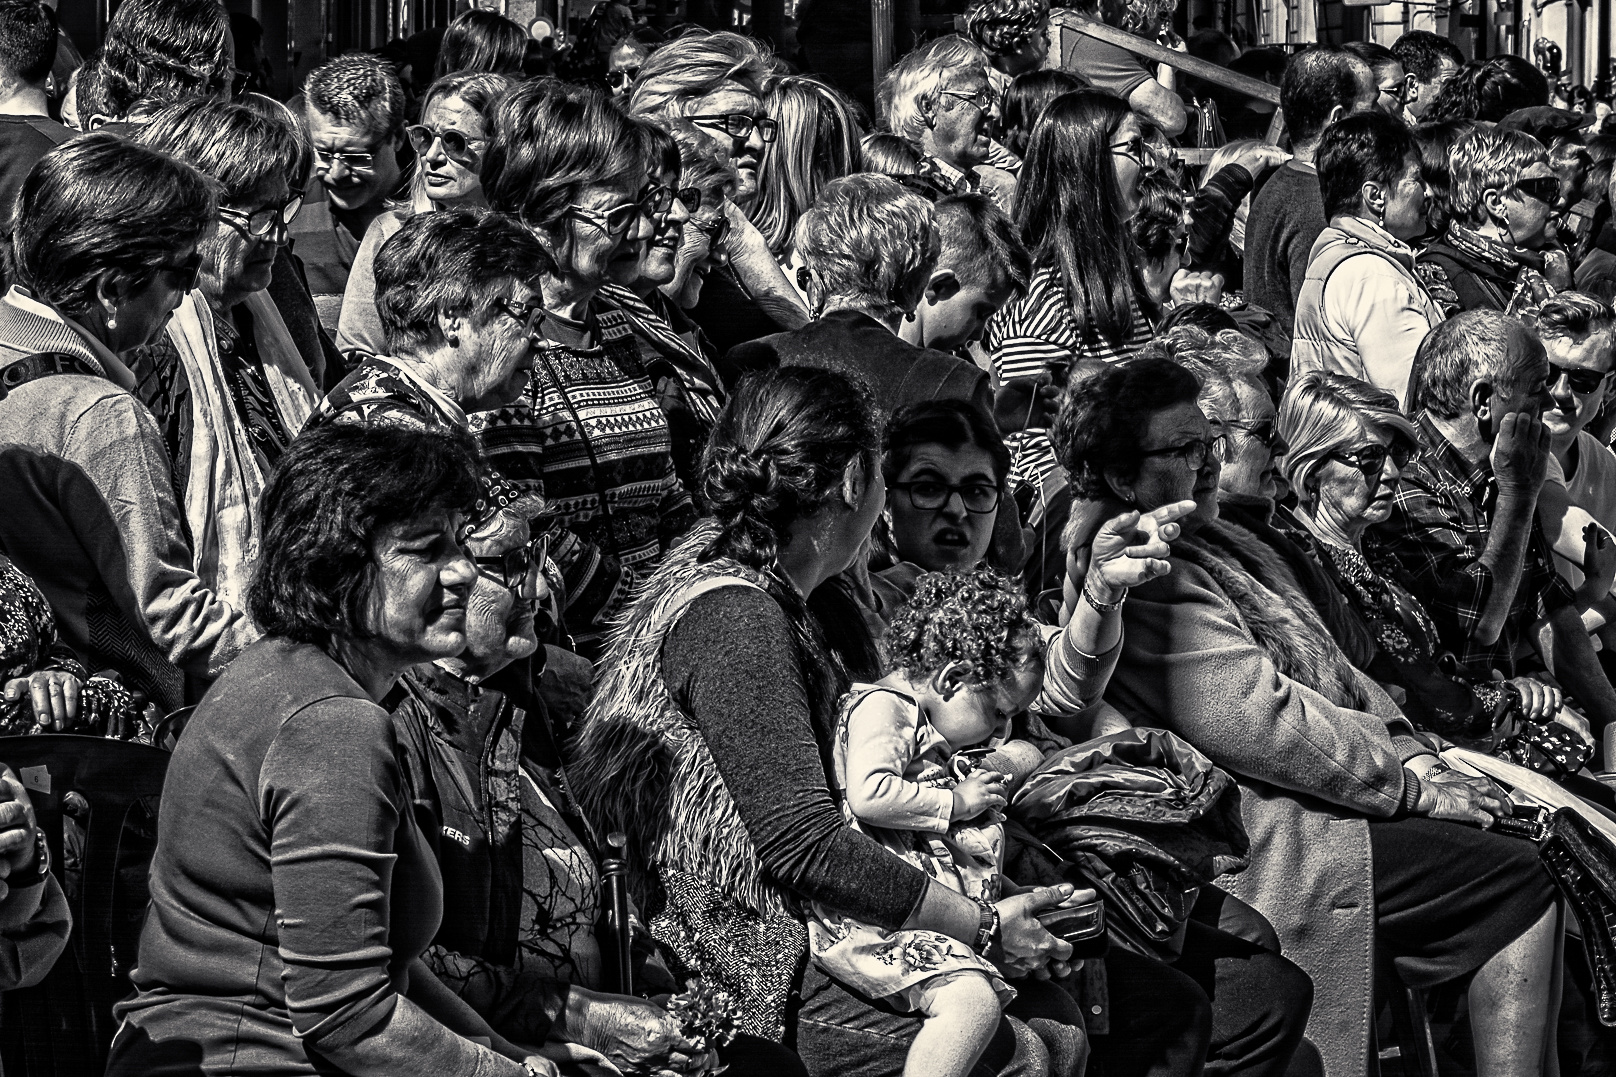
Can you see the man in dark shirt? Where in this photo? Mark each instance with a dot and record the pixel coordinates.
(1320, 86)
(354, 106)
(1110, 67)
(1463, 523)
(27, 133)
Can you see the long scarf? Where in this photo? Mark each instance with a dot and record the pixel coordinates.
(704, 390)
(225, 480)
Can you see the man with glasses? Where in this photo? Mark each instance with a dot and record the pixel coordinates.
(354, 107)
(1464, 521)
(943, 105)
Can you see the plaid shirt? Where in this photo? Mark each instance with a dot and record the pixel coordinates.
(1440, 522)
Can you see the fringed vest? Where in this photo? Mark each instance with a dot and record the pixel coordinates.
(641, 766)
(1275, 610)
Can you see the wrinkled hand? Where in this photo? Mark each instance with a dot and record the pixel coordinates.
(1520, 454)
(1026, 404)
(16, 826)
(1598, 562)
(1447, 794)
(1259, 158)
(1196, 286)
(1539, 702)
(982, 790)
(55, 697)
(1133, 548)
(1029, 948)
(639, 1036)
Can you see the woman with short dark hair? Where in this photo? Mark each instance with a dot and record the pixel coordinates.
(105, 246)
(226, 382)
(293, 890)
(587, 434)
(1362, 310)
(482, 42)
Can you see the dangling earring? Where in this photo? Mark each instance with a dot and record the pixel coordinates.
(909, 317)
(454, 340)
(112, 320)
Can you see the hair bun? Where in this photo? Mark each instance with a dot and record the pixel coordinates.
(737, 483)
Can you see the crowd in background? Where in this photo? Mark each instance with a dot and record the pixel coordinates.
(878, 536)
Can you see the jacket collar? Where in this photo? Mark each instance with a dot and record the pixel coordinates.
(1367, 233)
(27, 324)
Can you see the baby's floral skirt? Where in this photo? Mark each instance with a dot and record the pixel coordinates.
(894, 965)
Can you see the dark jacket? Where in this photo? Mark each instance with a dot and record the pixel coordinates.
(1479, 284)
(856, 344)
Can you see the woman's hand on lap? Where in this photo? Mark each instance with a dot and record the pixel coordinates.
(1449, 794)
(55, 697)
(1539, 702)
(1029, 949)
(636, 1035)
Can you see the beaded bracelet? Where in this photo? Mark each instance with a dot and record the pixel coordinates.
(1103, 607)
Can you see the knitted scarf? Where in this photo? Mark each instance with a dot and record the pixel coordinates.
(1275, 610)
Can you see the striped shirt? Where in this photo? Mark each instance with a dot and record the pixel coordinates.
(1035, 331)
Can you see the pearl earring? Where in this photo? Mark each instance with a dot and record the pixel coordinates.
(112, 320)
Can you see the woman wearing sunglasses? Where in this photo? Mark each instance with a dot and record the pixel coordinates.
(227, 384)
(449, 144)
(1362, 310)
(587, 434)
(1499, 250)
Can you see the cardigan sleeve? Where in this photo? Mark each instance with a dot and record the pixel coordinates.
(1189, 665)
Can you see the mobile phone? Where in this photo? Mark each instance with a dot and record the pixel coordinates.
(1081, 924)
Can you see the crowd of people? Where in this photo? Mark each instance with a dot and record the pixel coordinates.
(670, 572)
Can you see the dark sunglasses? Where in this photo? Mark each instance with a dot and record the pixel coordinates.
(513, 570)
(929, 494)
(260, 222)
(1545, 189)
(740, 125)
(1371, 459)
(1582, 381)
(185, 273)
(623, 76)
(456, 145)
(659, 199)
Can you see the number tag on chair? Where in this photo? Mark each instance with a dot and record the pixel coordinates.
(36, 779)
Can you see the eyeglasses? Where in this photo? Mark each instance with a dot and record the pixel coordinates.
(623, 76)
(325, 161)
(983, 99)
(1266, 432)
(264, 220)
(659, 199)
(1398, 93)
(615, 221)
(1134, 148)
(1371, 459)
(530, 314)
(977, 497)
(1194, 453)
(716, 232)
(1545, 189)
(185, 273)
(1582, 381)
(740, 125)
(513, 570)
(456, 146)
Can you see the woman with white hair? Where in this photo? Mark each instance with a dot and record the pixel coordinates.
(1498, 252)
(868, 248)
(710, 86)
(939, 99)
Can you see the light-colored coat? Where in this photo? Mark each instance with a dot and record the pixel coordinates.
(1362, 311)
(1209, 653)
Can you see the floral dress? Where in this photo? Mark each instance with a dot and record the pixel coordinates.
(896, 965)
(29, 644)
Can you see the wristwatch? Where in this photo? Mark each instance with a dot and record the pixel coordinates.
(35, 872)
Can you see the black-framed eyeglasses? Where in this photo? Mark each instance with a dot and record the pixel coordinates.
(623, 76)
(1265, 431)
(1371, 459)
(740, 125)
(456, 145)
(325, 161)
(929, 494)
(1194, 453)
(263, 220)
(716, 232)
(983, 99)
(530, 314)
(185, 273)
(1582, 381)
(514, 569)
(1545, 189)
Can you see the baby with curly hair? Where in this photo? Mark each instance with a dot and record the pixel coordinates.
(965, 657)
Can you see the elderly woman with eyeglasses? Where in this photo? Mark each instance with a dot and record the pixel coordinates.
(449, 143)
(587, 435)
(1499, 251)
(227, 384)
(1354, 823)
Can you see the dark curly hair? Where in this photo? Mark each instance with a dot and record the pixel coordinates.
(334, 490)
(978, 619)
(1105, 414)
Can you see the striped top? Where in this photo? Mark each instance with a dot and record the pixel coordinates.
(589, 438)
(1035, 330)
